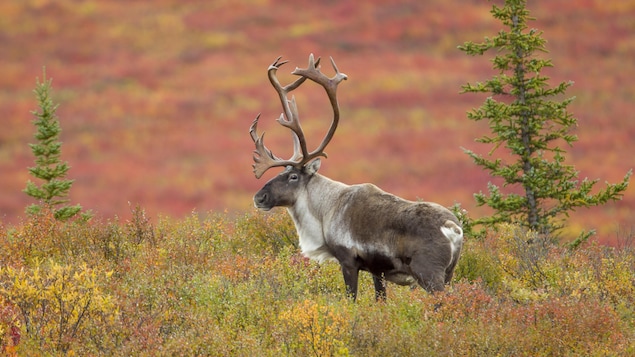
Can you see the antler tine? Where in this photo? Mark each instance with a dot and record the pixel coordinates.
(264, 159)
(283, 90)
(299, 143)
(289, 118)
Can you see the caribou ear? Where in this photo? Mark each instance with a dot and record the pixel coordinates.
(313, 166)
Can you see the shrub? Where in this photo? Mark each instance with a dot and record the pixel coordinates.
(311, 328)
(55, 302)
(214, 285)
(10, 334)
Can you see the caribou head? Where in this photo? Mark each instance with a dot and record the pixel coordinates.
(281, 191)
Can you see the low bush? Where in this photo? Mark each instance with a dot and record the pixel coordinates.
(213, 285)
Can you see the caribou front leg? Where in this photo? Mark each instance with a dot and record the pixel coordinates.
(351, 276)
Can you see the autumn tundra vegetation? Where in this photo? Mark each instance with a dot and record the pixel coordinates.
(216, 284)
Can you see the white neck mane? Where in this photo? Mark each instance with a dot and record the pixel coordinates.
(308, 215)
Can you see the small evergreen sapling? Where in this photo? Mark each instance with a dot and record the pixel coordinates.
(52, 194)
(533, 125)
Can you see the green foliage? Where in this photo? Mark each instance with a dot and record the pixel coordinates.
(54, 191)
(532, 123)
(214, 285)
(272, 232)
(477, 264)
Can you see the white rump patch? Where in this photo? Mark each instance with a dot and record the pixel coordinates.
(454, 234)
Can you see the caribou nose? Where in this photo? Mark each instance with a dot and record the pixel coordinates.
(260, 198)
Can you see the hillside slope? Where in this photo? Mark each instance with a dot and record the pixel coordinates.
(156, 98)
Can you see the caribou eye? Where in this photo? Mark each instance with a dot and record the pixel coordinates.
(293, 177)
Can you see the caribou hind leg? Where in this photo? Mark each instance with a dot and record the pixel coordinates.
(430, 282)
(429, 277)
(351, 276)
(380, 288)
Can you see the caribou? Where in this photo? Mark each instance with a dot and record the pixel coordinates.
(360, 226)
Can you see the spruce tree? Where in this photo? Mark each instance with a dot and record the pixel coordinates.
(52, 194)
(528, 118)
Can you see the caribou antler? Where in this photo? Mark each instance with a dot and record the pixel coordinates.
(264, 159)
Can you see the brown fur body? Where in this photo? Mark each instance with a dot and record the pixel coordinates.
(365, 228)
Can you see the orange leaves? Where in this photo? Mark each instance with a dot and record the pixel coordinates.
(235, 268)
(10, 334)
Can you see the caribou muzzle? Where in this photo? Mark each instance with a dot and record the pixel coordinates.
(262, 201)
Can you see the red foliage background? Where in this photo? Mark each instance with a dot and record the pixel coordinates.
(156, 97)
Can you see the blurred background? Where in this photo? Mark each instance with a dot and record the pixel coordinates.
(156, 97)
